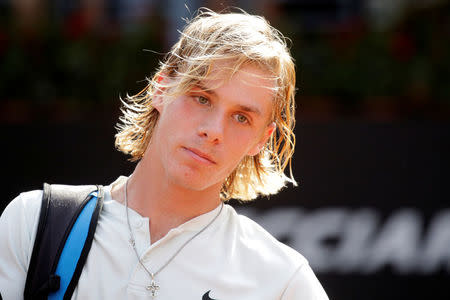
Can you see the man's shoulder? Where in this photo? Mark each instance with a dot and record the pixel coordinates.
(27, 203)
(31, 196)
(254, 238)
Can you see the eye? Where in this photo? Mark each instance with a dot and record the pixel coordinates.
(202, 100)
(241, 119)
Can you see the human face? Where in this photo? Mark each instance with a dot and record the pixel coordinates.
(201, 136)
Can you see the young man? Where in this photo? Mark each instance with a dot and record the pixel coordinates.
(214, 123)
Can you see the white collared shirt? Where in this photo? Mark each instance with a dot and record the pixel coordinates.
(234, 258)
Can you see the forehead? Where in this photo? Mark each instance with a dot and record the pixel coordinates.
(247, 80)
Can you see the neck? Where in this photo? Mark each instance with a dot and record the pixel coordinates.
(166, 205)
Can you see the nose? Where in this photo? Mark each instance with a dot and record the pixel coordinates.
(212, 129)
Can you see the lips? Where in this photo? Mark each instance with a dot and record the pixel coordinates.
(199, 155)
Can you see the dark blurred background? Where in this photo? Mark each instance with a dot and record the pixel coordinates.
(371, 212)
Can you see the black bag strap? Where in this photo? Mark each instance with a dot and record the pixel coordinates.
(60, 208)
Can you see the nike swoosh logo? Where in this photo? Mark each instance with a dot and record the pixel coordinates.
(207, 297)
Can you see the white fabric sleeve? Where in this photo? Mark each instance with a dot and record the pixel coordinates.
(18, 226)
(304, 285)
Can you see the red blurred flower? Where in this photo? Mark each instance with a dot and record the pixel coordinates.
(402, 46)
(76, 26)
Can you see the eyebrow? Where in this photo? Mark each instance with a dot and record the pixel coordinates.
(250, 109)
(246, 108)
(204, 89)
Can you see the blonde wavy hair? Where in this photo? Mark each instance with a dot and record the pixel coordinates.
(236, 38)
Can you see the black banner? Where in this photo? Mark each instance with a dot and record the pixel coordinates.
(371, 211)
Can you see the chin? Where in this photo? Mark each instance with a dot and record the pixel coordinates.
(193, 181)
(192, 177)
(193, 186)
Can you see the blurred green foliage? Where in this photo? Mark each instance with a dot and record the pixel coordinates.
(65, 62)
(348, 62)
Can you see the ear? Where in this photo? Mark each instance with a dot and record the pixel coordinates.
(158, 98)
(157, 101)
(260, 145)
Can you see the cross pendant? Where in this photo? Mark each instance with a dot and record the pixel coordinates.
(153, 287)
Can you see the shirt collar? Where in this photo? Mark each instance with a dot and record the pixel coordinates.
(197, 223)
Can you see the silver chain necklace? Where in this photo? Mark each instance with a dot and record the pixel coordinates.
(153, 287)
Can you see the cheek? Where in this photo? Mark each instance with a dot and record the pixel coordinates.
(174, 119)
(240, 141)
(182, 105)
